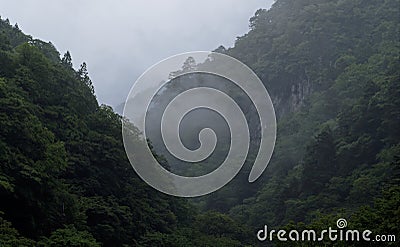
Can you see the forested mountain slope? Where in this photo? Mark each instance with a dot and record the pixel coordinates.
(64, 176)
(332, 70)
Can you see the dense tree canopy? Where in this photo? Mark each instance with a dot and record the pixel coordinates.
(64, 177)
(332, 69)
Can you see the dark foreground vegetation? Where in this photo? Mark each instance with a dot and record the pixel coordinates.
(332, 69)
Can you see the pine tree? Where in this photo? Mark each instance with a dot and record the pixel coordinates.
(67, 60)
(83, 75)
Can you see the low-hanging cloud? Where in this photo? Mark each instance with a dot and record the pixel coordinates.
(120, 39)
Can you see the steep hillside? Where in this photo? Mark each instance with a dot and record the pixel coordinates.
(64, 176)
(332, 69)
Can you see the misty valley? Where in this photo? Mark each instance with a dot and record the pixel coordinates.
(332, 70)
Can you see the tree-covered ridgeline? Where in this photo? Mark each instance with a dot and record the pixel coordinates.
(332, 70)
(64, 176)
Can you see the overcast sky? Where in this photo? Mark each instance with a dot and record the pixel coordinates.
(120, 39)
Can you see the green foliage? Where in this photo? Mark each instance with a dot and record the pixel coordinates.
(69, 237)
(208, 229)
(64, 177)
(332, 69)
(9, 236)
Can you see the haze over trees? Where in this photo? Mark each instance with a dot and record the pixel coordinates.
(332, 70)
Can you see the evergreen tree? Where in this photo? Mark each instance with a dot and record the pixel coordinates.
(67, 60)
